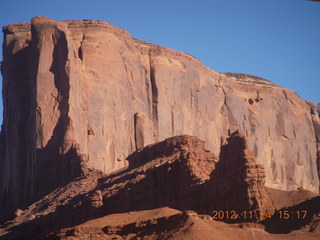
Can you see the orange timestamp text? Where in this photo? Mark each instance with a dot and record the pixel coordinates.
(262, 215)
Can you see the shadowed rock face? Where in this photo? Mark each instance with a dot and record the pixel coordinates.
(178, 173)
(86, 89)
(238, 182)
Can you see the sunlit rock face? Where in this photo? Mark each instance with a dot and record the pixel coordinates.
(83, 94)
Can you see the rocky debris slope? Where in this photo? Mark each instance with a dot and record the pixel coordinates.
(306, 213)
(166, 223)
(178, 173)
(87, 89)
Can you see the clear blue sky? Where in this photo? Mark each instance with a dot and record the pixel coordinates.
(275, 39)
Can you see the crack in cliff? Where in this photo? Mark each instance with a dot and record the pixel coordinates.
(147, 85)
(225, 106)
(129, 77)
(172, 120)
(80, 49)
(317, 144)
(154, 91)
(219, 86)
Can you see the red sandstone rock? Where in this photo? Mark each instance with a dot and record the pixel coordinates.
(18, 212)
(238, 180)
(84, 93)
(166, 223)
(177, 172)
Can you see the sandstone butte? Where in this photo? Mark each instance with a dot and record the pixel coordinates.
(81, 95)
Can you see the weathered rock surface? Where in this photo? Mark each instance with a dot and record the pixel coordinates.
(84, 93)
(177, 172)
(237, 179)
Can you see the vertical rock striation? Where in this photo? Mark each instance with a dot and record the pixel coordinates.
(85, 94)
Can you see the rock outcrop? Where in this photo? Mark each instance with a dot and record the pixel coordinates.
(84, 94)
(238, 182)
(178, 173)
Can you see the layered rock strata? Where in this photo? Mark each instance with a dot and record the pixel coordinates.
(238, 182)
(84, 93)
(177, 172)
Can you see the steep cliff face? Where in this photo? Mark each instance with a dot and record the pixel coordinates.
(84, 93)
(37, 155)
(18, 132)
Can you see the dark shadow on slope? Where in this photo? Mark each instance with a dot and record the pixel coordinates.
(293, 218)
(235, 184)
(167, 185)
(147, 228)
(77, 211)
(174, 181)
